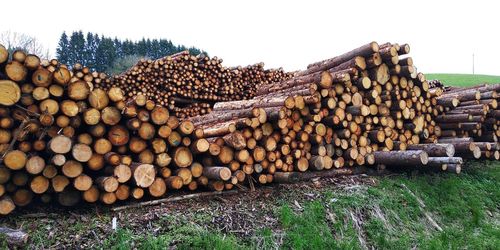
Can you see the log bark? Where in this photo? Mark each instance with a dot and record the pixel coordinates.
(401, 158)
(440, 161)
(363, 51)
(435, 150)
(217, 173)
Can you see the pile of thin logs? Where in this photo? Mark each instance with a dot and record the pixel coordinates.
(189, 85)
(436, 84)
(471, 120)
(366, 107)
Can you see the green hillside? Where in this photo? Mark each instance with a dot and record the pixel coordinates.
(463, 79)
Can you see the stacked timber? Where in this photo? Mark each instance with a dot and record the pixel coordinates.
(471, 120)
(72, 134)
(189, 85)
(62, 139)
(366, 107)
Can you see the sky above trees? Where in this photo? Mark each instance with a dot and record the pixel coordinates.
(444, 35)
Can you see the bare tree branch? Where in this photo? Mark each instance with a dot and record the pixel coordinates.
(15, 40)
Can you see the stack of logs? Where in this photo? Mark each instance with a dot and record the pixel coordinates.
(366, 107)
(63, 139)
(69, 135)
(471, 119)
(189, 85)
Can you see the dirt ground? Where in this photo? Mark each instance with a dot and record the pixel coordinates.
(241, 214)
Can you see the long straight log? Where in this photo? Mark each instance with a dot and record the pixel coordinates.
(363, 51)
(434, 150)
(293, 177)
(401, 158)
(439, 161)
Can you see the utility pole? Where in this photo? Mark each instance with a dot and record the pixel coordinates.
(473, 63)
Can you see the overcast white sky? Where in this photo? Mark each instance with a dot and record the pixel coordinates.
(443, 34)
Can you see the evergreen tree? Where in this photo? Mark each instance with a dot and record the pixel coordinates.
(105, 54)
(77, 48)
(100, 53)
(63, 49)
(118, 48)
(149, 49)
(141, 47)
(89, 58)
(128, 48)
(155, 49)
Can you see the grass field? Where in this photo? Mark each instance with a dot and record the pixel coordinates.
(463, 80)
(347, 213)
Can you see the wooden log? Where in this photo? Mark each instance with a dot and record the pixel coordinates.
(6, 205)
(137, 193)
(122, 173)
(78, 90)
(118, 135)
(363, 51)
(454, 168)
(439, 161)
(293, 177)
(108, 184)
(91, 195)
(455, 140)
(81, 152)
(59, 144)
(59, 183)
(174, 182)
(82, 182)
(108, 198)
(323, 78)
(183, 157)
(401, 158)
(16, 71)
(434, 150)
(4, 54)
(72, 168)
(235, 140)
(144, 174)
(15, 159)
(110, 115)
(10, 93)
(62, 76)
(448, 102)
(123, 192)
(217, 173)
(35, 165)
(158, 188)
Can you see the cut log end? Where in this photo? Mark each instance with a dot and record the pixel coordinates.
(10, 93)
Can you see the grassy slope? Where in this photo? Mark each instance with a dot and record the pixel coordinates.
(463, 80)
(383, 216)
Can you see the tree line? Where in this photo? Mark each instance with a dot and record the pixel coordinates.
(105, 53)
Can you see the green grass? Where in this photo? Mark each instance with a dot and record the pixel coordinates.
(465, 206)
(463, 80)
(185, 237)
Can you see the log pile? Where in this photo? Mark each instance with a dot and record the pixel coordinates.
(62, 139)
(71, 134)
(189, 85)
(366, 107)
(471, 119)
